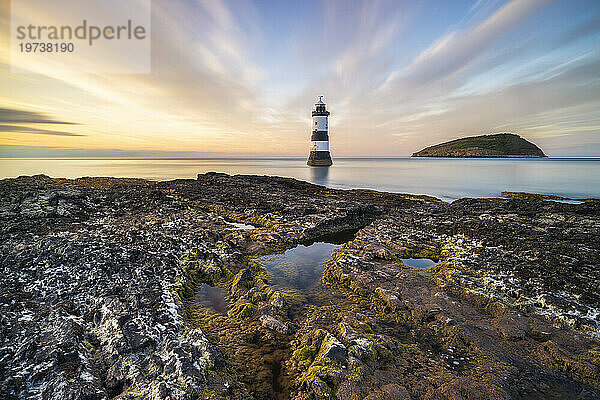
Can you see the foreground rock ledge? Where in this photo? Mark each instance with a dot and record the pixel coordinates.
(99, 278)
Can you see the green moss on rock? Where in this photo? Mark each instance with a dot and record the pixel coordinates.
(242, 310)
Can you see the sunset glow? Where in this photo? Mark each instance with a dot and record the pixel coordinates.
(241, 77)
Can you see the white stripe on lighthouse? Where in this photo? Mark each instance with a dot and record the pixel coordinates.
(319, 146)
(319, 123)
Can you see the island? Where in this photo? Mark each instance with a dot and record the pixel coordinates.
(122, 288)
(484, 146)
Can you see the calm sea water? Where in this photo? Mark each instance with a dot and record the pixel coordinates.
(447, 179)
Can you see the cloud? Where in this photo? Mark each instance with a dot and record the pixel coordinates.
(204, 82)
(8, 115)
(235, 76)
(561, 110)
(589, 28)
(375, 27)
(24, 129)
(19, 151)
(457, 50)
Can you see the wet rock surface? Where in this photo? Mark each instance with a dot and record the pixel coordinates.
(100, 279)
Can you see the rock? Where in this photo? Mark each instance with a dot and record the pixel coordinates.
(348, 333)
(513, 326)
(116, 379)
(277, 300)
(99, 280)
(319, 389)
(540, 330)
(363, 349)
(242, 281)
(383, 254)
(390, 299)
(390, 392)
(332, 351)
(465, 389)
(274, 324)
(359, 346)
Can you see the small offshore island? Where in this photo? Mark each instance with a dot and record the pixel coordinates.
(498, 145)
(106, 281)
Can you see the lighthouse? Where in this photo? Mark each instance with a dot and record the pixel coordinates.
(319, 140)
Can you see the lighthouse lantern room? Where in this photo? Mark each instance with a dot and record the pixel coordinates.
(319, 141)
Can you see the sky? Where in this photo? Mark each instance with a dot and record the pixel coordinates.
(241, 77)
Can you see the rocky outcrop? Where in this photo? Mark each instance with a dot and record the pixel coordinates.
(97, 294)
(485, 146)
(89, 294)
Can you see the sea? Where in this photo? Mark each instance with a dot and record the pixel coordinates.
(444, 178)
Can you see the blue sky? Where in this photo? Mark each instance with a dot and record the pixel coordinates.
(240, 77)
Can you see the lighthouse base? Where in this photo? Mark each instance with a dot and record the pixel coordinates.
(319, 158)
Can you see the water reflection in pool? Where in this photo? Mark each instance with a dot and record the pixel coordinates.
(213, 297)
(298, 272)
(422, 263)
(298, 268)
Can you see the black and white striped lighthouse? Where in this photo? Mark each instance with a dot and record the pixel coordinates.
(319, 140)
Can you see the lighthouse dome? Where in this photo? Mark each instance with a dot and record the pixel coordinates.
(320, 107)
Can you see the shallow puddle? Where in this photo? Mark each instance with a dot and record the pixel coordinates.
(298, 272)
(213, 297)
(298, 268)
(566, 201)
(301, 268)
(238, 225)
(423, 263)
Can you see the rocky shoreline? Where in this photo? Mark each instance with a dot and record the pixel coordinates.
(100, 279)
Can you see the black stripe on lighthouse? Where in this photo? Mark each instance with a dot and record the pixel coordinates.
(318, 136)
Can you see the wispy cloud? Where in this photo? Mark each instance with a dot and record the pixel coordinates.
(456, 50)
(31, 117)
(17, 151)
(11, 121)
(587, 29)
(25, 129)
